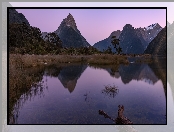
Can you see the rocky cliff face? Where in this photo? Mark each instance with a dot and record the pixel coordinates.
(149, 33)
(15, 17)
(129, 41)
(69, 34)
(158, 46)
(142, 35)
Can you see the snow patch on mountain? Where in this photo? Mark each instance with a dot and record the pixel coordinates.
(151, 26)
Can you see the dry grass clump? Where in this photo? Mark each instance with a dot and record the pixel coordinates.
(23, 61)
(20, 81)
(110, 88)
(110, 91)
(107, 59)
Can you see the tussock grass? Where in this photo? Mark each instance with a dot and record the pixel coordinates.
(22, 61)
(20, 81)
(107, 59)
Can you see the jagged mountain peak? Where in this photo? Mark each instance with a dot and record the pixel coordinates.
(158, 26)
(70, 21)
(127, 29)
(151, 26)
(69, 15)
(69, 33)
(132, 40)
(128, 26)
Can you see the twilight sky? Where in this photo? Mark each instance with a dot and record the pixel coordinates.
(94, 24)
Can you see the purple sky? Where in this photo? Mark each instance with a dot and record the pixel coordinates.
(94, 24)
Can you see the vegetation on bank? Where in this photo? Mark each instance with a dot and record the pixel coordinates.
(23, 61)
(25, 39)
(20, 82)
(107, 59)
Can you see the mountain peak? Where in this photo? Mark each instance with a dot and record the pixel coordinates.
(69, 33)
(152, 26)
(70, 22)
(69, 16)
(128, 26)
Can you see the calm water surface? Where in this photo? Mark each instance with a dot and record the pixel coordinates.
(74, 93)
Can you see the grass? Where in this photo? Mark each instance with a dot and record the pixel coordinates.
(23, 61)
(20, 82)
(107, 59)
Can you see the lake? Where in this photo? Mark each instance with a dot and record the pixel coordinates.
(74, 94)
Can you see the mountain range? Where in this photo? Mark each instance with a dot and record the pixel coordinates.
(132, 40)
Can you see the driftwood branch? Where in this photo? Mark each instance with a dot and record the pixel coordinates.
(121, 119)
(101, 112)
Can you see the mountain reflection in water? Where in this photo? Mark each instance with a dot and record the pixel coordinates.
(90, 89)
(70, 74)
